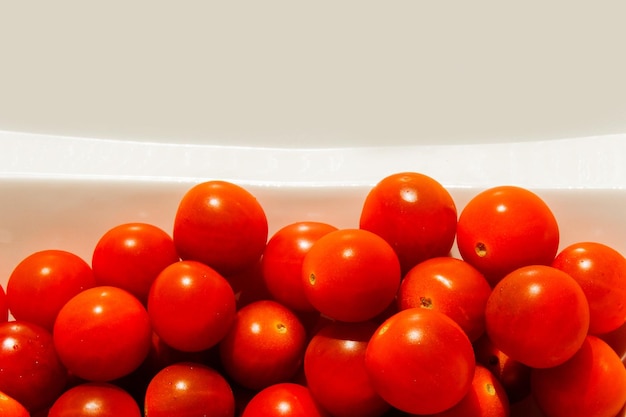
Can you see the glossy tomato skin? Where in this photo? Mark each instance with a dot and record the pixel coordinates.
(43, 282)
(351, 275)
(414, 213)
(591, 384)
(537, 315)
(284, 400)
(189, 389)
(601, 272)
(334, 366)
(191, 306)
(282, 262)
(451, 286)
(504, 228)
(4, 308)
(264, 346)
(32, 373)
(95, 400)
(222, 225)
(420, 361)
(10, 407)
(102, 334)
(131, 255)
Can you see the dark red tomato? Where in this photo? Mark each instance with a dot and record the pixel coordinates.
(451, 286)
(249, 285)
(282, 262)
(131, 255)
(189, 389)
(537, 315)
(617, 340)
(504, 228)
(95, 400)
(414, 213)
(284, 400)
(351, 275)
(591, 383)
(4, 308)
(513, 375)
(102, 334)
(43, 282)
(191, 306)
(30, 368)
(486, 397)
(222, 225)
(601, 272)
(420, 361)
(265, 345)
(334, 366)
(10, 407)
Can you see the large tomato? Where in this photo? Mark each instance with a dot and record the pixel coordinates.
(504, 228)
(95, 400)
(222, 225)
(131, 255)
(43, 282)
(601, 272)
(414, 213)
(537, 315)
(420, 361)
(351, 275)
(284, 400)
(102, 334)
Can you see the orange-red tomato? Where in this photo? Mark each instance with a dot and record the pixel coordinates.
(10, 407)
(284, 400)
(95, 400)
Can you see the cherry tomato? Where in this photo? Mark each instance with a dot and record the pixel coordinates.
(486, 397)
(43, 282)
(30, 370)
(420, 361)
(334, 366)
(414, 213)
(95, 400)
(222, 225)
(617, 340)
(537, 315)
(504, 228)
(102, 334)
(189, 389)
(131, 255)
(191, 306)
(601, 272)
(265, 345)
(4, 308)
(451, 286)
(591, 383)
(249, 285)
(351, 275)
(284, 400)
(282, 262)
(10, 407)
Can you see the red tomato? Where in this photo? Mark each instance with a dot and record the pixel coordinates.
(282, 262)
(95, 400)
(591, 384)
(351, 275)
(30, 370)
(420, 361)
(9, 407)
(537, 315)
(43, 282)
(4, 308)
(265, 345)
(189, 389)
(513, 375)
(102, 334)
(284, 400)
(334, 366)
(450, 286)
(191, 306)
(249, 285)
(222, 225)
(414, 213)
(601, 272)
(617, 340)
(131, 255)
(486, 397)
(504, 228)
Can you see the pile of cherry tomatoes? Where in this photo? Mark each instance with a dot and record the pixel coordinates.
(219, 318)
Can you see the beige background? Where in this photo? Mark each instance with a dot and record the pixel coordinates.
(319, 73)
